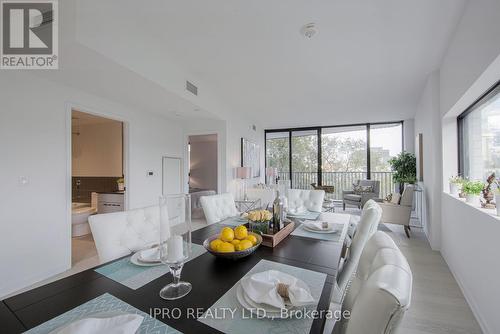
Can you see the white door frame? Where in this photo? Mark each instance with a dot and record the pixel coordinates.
(219, 156)
(69, 107)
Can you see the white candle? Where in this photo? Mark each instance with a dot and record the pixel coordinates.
(175, 249)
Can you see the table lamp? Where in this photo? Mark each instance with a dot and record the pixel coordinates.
(244, 173)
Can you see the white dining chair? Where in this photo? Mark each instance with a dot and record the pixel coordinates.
(121, 233)
(218, 207)
(367, 226)
(312, 200)
(380, 291)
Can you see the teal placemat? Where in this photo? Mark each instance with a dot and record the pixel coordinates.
(242, 323)
(105, 305)
(309, 215)
(125, 272)
(234, 221)
(300, 231)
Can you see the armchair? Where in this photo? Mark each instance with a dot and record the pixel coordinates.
(399, 212)
(358, 199)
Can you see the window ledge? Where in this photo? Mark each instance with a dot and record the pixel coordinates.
(489, 212)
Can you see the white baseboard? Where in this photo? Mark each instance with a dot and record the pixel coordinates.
(468, 296)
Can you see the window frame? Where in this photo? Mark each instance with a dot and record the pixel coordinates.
(319, 132)
(491, 92)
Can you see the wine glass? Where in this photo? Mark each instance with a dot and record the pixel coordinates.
(175, 241)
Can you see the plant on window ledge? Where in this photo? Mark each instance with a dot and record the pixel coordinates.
(472, 190)
(456, 183)
(404, 166)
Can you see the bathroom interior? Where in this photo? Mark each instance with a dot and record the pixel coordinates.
(97, 179)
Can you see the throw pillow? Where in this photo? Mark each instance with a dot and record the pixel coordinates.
(395, 198)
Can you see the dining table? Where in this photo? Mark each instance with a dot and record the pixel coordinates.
(211, 277)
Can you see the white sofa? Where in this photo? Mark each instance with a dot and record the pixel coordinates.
(312, 200)
(218, 207)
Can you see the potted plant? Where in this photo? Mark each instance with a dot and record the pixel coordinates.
(456, 185)
(472, 190)
(404, 166)
(121, 184)
(259, 221)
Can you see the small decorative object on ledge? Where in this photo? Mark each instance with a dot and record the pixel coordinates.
(488, 194)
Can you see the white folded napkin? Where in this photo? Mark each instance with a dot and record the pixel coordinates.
(318, 225)
(150, 255)
(262, 288)
(120, 324)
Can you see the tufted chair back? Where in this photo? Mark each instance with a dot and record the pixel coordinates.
(380, 292)
(120, 233)
(312, 200)
(218, 207)
(367, 226)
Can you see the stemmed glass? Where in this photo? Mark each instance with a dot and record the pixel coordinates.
(175, 241)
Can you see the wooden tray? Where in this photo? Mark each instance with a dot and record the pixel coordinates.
(271, 240)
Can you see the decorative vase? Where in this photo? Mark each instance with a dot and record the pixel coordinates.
(454, 189)
(259, 227)
(472, 199)
(121, 186)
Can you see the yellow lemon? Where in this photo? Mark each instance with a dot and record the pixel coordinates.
(240, 232)
(245, 244)
(235, 242)
(214, 244)
(252, 239)
(227, 234)
(225, 247)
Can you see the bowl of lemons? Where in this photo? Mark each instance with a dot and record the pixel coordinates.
(233, 243)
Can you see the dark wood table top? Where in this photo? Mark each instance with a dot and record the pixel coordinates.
(210, 277)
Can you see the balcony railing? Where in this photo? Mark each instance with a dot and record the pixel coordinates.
(340, 180)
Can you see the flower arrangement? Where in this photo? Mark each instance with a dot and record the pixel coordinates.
(260, 216)
(456, 183)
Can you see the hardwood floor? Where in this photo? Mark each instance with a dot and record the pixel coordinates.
(438, 305)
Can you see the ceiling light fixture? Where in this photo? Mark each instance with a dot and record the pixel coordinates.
(309, 30)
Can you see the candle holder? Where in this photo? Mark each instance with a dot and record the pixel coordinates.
(175, 241)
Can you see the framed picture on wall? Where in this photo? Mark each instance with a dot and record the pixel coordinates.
(250, 156)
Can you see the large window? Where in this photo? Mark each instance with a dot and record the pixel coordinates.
(335, 155)
(479, 137)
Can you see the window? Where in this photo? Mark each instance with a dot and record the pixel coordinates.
(278, 153)
(335, 155)
(479, 137)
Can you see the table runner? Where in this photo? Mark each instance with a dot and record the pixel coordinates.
(309, 215)
(238, 324)
(105, 305)
(125, 272)
(300, 231)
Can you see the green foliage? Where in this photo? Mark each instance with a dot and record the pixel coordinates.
(472, 187)
(404, 166)
(120, 180)
(338, 154)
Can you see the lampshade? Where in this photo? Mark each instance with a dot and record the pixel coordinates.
(271, 171)
(243, 172)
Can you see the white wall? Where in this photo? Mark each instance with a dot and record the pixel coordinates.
(468, 236)
(34, 133)
(203, 162)
(97, 149)
(428, 123)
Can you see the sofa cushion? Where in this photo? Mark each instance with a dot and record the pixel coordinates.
(353, 197)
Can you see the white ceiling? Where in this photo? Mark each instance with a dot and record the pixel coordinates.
(369, 61)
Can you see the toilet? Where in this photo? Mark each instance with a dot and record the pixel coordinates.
(80, 213)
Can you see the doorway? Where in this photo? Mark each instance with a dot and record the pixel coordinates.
(203, 163)
(97, 179)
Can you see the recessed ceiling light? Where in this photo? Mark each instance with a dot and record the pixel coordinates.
(309, 30)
